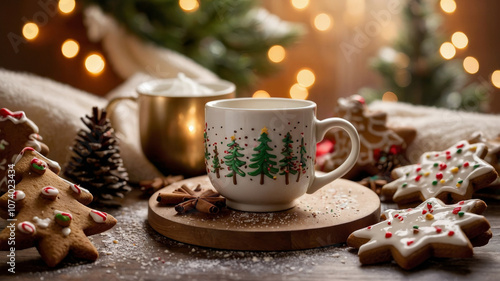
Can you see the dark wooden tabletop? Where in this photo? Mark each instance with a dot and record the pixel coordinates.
(132, 250)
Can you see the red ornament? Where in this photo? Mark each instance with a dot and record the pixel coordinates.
(438, 229)
(451, 233)
(460, 145)
(408, 243)
(466, 164)
(442, 166)
(456, 210)
(439, 176)
(388, 235)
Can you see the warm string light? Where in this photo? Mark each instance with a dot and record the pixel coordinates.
(305, 78)
(323, 22)
(389, 97)
(448, 6)
(94, 63)
(459, 39)
(471, 65)
(261, 94)
(300, 4)
(495, 78)
(30, 30)
(66, 6)
(276, 53)
(189, 5)
(447, 50)
(298, 92)
(70, 48)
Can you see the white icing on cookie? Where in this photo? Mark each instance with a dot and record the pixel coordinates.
(77, 189)
(19, 117)
(50, 191)
(18, 195)
(52, 164)
(66, 231)
(26, 227)
(98, 216)
(43, 223)
(445, 171)
(430, 222)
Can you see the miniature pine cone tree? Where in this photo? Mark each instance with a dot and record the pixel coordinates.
(96, 163)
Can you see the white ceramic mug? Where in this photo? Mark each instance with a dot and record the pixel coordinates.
(260, 153)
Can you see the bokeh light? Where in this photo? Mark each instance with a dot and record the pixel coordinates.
(305, 77)
(298, 92)
(389, 97)
(94, 63)
(261, 94)
(471, 65)
(189, 5)
(495, 78)
(276, 53)
(70, 48)
(447, 50)
(449, 6)
(459, 39)
(323, 22)
(30, 30)
(66, 6)
(300, 4)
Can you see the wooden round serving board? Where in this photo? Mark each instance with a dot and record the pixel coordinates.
(324, 218)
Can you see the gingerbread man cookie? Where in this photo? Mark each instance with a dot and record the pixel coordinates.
(49, 212)
(451, 175)
(378, 143)
(16, 133)
(432, 229)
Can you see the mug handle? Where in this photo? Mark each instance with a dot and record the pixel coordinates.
(112, 103)
(321, 128)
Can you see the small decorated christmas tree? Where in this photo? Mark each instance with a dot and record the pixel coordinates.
(287, 165)
(216, 162)
(302, 159)
(50, 212)
(232, 160)
(261, 161)
(96, 163)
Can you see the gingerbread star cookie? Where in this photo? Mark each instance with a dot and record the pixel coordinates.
(16, 133)
(378, 143)
(432, 229)
(49, 212)
(451, 175)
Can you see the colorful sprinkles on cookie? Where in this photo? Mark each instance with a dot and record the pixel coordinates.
(448, 171)
(431, 223)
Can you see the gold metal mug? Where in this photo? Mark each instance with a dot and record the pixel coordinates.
(171, 127)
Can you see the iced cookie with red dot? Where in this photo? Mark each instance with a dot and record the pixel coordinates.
(50, 212)
(17, 131)
(432, 229)
(451, 175)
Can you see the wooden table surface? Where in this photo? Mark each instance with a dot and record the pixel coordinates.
(132, 250)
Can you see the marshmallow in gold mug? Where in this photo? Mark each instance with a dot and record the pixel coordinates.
(259, 153)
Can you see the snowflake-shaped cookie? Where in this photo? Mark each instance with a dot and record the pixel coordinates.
(432, 229)
(451, 175)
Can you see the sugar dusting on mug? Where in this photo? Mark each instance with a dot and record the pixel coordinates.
(183, 86)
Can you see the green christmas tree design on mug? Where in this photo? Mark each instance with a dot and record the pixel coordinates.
(288, 165)
(232, 160)
(261, 161)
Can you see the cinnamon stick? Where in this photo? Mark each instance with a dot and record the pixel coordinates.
(188, 190)
(186, 206)
(206, 207)
(172, 198)
(217, 201)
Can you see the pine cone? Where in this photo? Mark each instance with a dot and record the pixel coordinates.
(96, 163)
